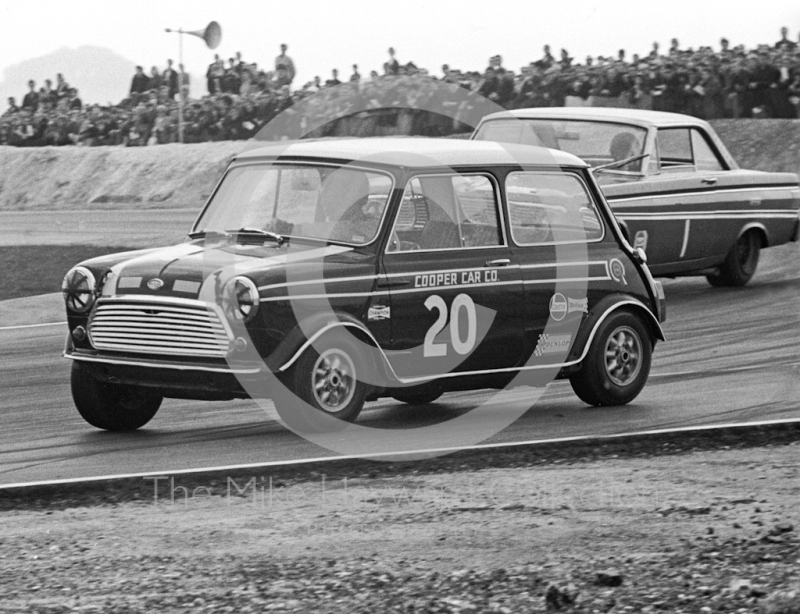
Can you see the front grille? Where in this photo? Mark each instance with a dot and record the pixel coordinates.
(166, 326)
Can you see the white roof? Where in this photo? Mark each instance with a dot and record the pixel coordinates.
(416, 152)
(639, 117)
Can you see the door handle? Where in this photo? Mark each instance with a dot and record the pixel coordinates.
(709, 180)
(393, 283)
(500, 262)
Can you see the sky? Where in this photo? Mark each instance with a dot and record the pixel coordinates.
(323, 35)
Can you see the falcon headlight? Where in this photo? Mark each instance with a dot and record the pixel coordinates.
(241, 299)
(79, 289)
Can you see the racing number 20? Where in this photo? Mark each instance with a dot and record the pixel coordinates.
(462, 346)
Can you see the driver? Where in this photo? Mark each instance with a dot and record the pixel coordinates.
(343, 195)
(624, 145)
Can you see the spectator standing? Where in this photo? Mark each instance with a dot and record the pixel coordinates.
(214, 75)
(155, 79)
(284, 68)
(62, 87)
(170, 79)
(31, 99)
(392, 66)
(75, 103)
(47, 94)
(547, 60)
(334, 80)
(785, 43)
(140, 82)
(356, 76)
(231, 82)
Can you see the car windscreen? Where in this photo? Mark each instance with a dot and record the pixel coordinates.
(339, 204)
(596, 143)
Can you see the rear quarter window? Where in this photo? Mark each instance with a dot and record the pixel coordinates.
(546, 208)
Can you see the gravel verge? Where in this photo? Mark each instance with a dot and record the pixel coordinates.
(691, 522)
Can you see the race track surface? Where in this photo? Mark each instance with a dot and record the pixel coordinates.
(732, 356)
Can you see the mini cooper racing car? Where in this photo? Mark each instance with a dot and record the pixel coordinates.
(327, 274)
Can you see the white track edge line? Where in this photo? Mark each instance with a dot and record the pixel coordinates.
(305, 461)
(32, 325)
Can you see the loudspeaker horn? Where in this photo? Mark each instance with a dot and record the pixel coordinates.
(212, 34)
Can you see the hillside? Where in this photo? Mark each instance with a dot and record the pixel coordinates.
(100, 75)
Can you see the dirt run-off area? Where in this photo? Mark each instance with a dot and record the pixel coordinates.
(659, 527)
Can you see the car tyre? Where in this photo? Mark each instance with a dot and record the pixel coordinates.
(740, 263)
(617, 364)
(112, 407)
(327, 379)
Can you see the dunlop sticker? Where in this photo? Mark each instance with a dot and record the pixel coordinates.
(552, 344)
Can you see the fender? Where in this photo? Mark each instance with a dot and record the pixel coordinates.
(296, 342)
(762, 230)
(600, 312)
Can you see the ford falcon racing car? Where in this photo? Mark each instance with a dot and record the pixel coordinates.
(327, 274)
(677, 192)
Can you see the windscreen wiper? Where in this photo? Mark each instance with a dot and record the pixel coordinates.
(616, 163)
(210, 234)
(267, 234)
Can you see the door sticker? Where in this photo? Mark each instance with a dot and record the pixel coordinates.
(578, 304)
(379, 312)
(463, 306)
(558, 307)
(617, 270)
(552, 344)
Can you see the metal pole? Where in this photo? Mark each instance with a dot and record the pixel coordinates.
(180, 85)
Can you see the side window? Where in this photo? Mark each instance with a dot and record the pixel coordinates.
(705, 157)
(447, 212)
(674, 148)
(546, 208)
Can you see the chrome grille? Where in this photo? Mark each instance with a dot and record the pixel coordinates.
(165, 326)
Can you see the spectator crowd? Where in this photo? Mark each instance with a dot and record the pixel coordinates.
(732, 82)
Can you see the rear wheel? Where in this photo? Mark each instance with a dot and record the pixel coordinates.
(327, 379)
(113, 407)
(618, 362)
(740, 263)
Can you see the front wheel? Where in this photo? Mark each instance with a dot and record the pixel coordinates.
(112, 407)
(740, 263)
(326, 380)
(618, 362)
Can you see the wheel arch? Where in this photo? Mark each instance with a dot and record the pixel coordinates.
(759, 229)
(301, 338)
(602, 311)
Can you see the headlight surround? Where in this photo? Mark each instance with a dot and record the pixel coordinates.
(79, 289)
(241, 299)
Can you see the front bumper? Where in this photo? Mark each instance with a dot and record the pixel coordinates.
(204, 380)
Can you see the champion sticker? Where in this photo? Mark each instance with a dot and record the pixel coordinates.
(552, 344)
(558, 307)
(617, 270)
(379, 312)
(577, 304)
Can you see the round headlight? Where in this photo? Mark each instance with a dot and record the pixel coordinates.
(241, 299)
(78, 289)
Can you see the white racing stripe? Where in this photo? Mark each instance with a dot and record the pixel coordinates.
(32, 325)
(323, 459)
